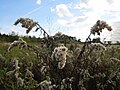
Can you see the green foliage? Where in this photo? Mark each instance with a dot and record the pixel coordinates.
(97, 69)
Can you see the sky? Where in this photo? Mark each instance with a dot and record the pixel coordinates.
(71, 17)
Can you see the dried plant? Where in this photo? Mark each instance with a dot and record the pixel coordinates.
(29, 24)
(45, 85)
(26, 23)
(28, 73)
(14, 72)
(59, 55)
(20, 43)
(58, 34)
(90, 66)
(97, 28)
(20, 82)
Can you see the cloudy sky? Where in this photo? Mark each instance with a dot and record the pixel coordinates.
(71, 17)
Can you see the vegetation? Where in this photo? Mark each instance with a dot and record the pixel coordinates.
(86, 66)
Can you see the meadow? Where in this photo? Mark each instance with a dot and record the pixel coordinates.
(59, 62)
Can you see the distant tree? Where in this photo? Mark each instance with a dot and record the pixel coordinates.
(109, 42)
(96, 40)
(79, 40)
(13, 33)
(118, 43)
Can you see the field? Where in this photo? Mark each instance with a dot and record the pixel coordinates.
(33, 68)
(58, 62)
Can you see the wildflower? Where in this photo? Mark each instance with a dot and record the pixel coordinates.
(61, 45)
(115, 60)
(63, 84)
(61, 64)
(20, 82)
(45, 85)
(99, 46)
(58, 34)
(76, 52)
(13, 44)
(26, 23)
(97, 28)
(10, 73)
(59, 55)
(16, 74)
(66, 83)
(15, 63)
(20, 43)
(44, 69)
(29, 73)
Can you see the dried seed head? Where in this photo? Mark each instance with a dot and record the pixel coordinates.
(10, 73)
(16, 74)
(29, 73)
(115, 60)
(98, 46)
(26, 23)
(45, 85)
(20, 43)
(61, 64)
(59, 55)
(20, 82)
(97, 28)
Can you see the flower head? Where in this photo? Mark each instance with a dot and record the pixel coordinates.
(26, 23)
(9, 73)
(59, 55)
(20, 43)
(97, 28)
(20, 82)
(29, 73)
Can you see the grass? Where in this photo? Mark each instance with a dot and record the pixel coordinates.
(93, 71)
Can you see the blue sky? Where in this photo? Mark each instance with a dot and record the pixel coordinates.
(71, 17)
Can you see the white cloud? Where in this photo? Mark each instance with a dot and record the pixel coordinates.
(85, 1)
(63, 10)
(116, 31)
(73, 21)
(110, 1)
(81, 6)
(38, 2)
(80, 17)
